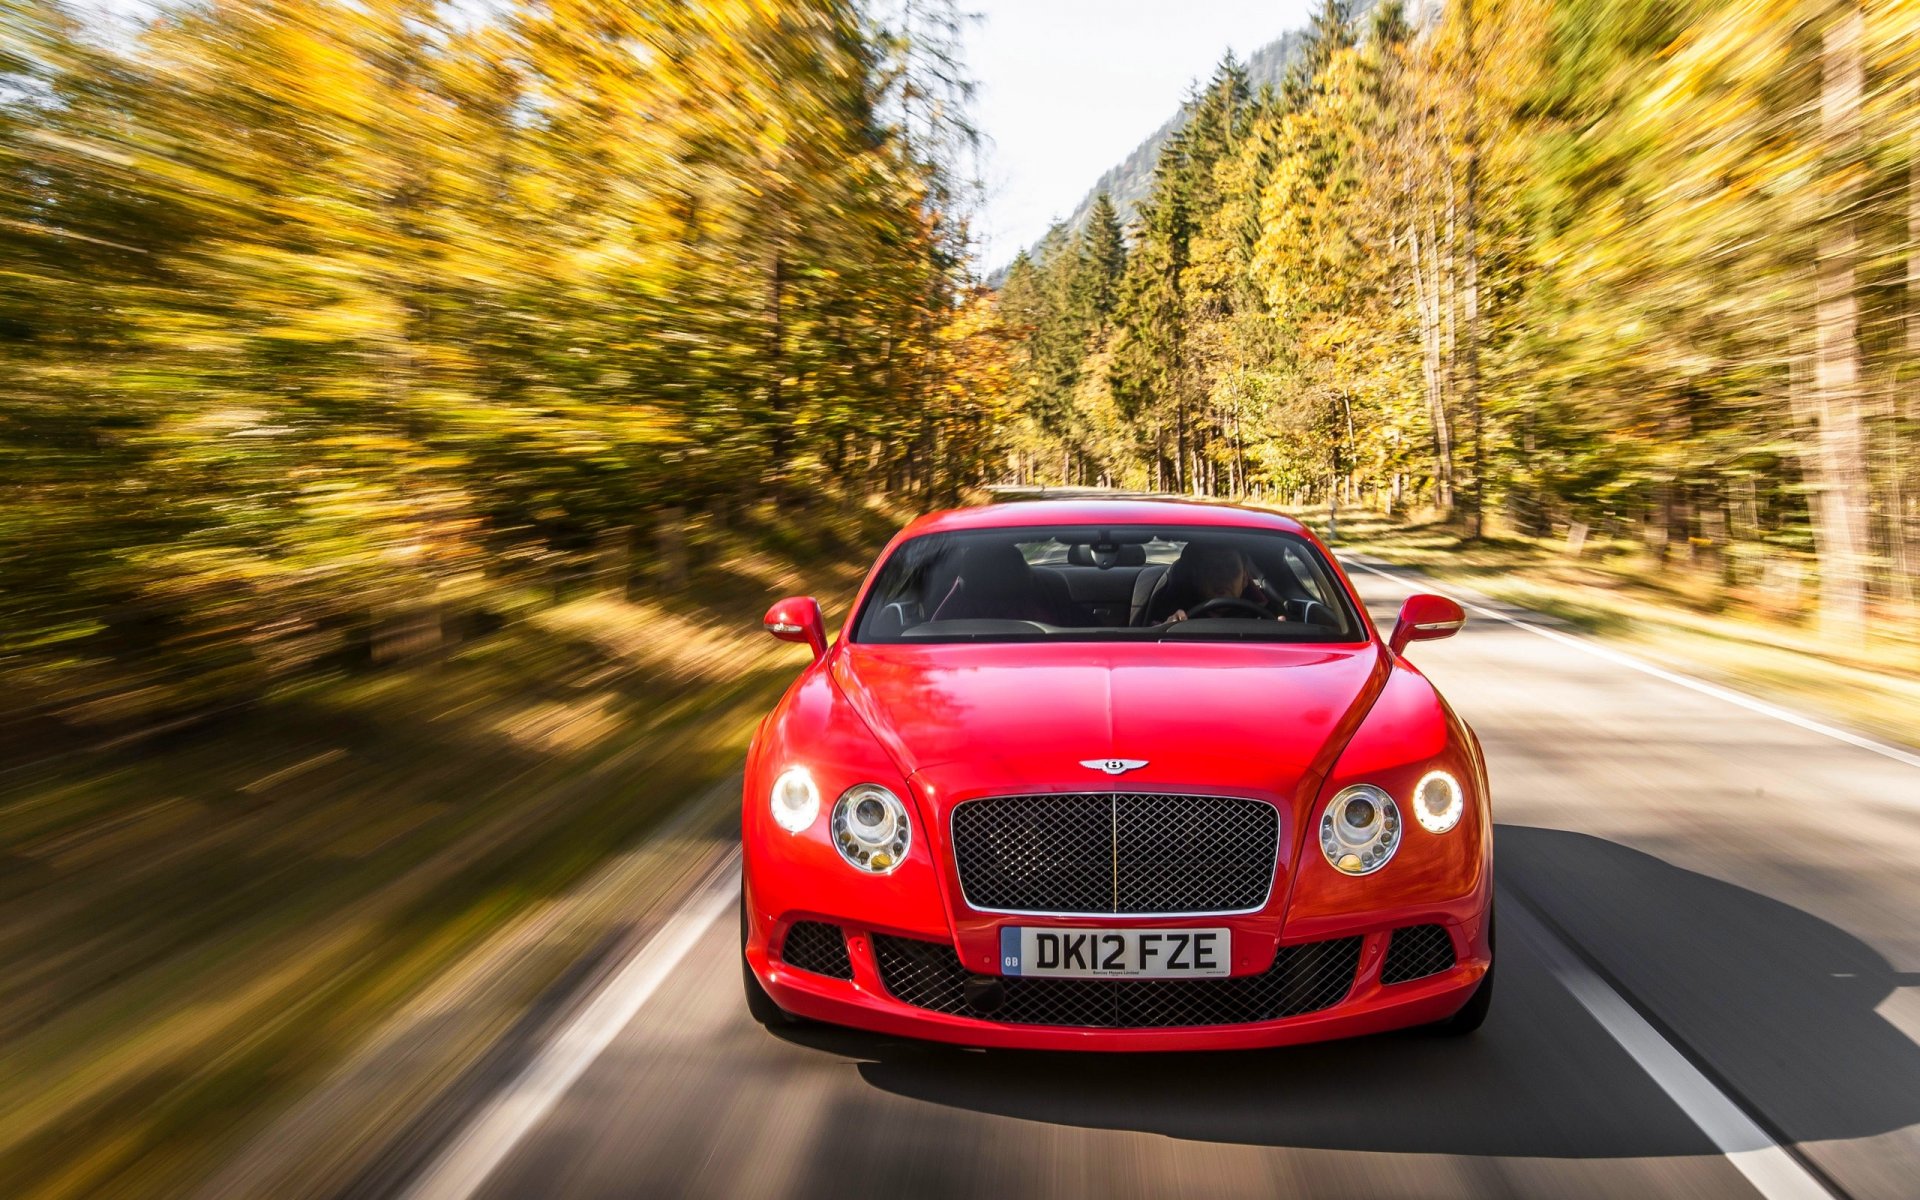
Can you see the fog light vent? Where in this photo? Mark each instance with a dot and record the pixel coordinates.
(1417, 952)
(817, 947)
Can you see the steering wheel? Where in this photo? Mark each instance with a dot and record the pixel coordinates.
(1223, 602)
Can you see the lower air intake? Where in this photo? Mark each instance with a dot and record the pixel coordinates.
(820, 948)
(1303, 979)
(1417, 952)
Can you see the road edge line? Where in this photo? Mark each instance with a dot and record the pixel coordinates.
(473, 1154)
(1771, 1164)
(1750, 703)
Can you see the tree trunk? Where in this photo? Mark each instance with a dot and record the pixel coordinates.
(1839, 457)
(1913, 255)
(1426, 302)
(670, 536)
(1179, 444)
(1333, 497)
(1900, 568)
(1906, 403)
(1470, 360)
(779, 434)
(1660, 519)
(1239, 449)
(1446, 288)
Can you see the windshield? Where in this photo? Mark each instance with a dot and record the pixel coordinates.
(1107, 584)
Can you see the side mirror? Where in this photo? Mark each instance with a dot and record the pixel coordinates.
(1425, 618)
(797, 619)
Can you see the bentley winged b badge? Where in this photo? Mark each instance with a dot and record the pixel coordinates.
(1114, 766)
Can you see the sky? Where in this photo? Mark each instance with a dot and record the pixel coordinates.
(1069, 87)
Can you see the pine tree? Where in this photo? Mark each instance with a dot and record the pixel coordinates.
(1547, 262)
(1104, 247)
(1148, 371)
(1329, 31)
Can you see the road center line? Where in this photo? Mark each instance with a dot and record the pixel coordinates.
(473, 1155)
(1753, 1152)
(1704, 688)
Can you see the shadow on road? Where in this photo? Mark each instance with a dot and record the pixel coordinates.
(1776, 1002)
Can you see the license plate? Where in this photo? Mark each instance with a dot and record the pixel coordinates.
(1115, 953)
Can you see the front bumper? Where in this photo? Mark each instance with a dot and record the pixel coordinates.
(1367, 1005)
(1436, 881)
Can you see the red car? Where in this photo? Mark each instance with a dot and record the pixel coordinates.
(1115, 775)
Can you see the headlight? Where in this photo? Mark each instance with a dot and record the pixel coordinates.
(870, 828)
(1360, 830)
(796, 802)
(1437, 802)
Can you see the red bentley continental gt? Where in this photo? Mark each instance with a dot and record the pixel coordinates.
(1115, 775)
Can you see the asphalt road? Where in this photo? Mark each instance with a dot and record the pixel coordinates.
(1745, 890)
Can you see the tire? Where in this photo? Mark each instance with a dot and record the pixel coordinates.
(1473, 1014)
(760, 1006)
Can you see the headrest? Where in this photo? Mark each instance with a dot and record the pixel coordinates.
(993, 562)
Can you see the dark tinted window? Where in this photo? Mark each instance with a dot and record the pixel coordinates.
(1106, 584)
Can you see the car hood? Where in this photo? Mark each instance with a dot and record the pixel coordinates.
(981, 719)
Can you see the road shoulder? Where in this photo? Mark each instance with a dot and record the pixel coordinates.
(392, 1105)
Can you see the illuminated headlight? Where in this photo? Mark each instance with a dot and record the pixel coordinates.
(1437, 802)
(870, 828)
(796, 801)
(1360, 830)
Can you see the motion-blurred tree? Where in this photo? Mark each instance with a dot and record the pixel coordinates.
(316, 314)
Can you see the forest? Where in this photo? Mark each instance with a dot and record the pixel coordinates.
(408, 409)
(330, 329)
(319, 321)
(1649, 269)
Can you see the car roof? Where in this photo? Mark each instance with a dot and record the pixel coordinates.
(1119, 511)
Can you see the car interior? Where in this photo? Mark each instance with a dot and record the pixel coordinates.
(1106, 584)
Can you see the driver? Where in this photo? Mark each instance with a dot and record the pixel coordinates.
(1218, 573)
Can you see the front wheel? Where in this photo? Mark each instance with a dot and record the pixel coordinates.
(1473, 1014)
(760, 1006)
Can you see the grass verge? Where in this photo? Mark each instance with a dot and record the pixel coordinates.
(197, 933)
(1757, 638)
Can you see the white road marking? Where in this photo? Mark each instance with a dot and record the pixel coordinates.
(1749, 703)
(1776, 1174)
(508, 1117)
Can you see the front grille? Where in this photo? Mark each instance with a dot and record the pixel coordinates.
(1417, 952)
(1303, 979)
(1110, 853)
(813, 946)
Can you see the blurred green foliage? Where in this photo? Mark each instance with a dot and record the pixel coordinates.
(316, 317)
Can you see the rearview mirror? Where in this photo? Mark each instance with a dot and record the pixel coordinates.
(1425, 618)
(797, 619)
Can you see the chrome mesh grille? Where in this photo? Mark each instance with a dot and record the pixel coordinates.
(817, 947)
(1116, 852)
(1303, 979)
(1417, 952)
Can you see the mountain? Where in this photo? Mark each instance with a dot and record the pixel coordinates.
(1131, 179)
